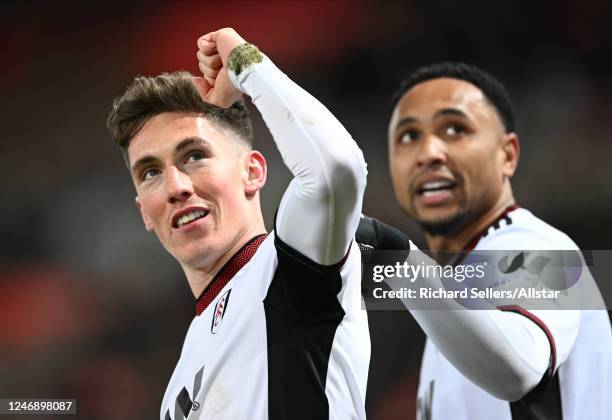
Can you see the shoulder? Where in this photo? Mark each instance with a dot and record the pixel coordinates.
(304, 290)
(521, 229)
(291, 259)
(377, 235)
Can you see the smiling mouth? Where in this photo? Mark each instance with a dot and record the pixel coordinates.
(190, 217)
(432, 188)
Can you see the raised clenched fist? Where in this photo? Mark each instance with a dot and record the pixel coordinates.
(214, 49)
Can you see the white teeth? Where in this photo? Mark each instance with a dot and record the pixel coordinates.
(436, 185)
(186, 218)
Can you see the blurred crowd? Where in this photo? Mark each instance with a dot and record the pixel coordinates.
(92, 307)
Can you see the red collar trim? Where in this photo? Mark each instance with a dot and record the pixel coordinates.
(238, 260)
(474, 241)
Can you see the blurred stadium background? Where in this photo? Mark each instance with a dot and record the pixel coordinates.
(91, 306)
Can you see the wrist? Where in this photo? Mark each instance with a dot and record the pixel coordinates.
(243, 56)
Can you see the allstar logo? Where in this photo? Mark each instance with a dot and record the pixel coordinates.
(219, 311)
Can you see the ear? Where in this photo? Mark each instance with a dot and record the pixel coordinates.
(511, 152)
(255, 171)
(145, 218)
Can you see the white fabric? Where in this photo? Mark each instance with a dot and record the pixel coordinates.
(234, 359)
(329, 171)
(476, 361)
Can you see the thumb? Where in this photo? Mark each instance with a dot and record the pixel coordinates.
(202, 86)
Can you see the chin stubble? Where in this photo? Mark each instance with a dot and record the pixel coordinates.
(443, 227)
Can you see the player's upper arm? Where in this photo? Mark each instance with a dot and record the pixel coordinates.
(319, 212)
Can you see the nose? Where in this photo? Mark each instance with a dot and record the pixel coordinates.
(178, 185)
(432, 151)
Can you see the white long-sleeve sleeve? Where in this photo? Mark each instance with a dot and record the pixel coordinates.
(320, 210)
(506, 353)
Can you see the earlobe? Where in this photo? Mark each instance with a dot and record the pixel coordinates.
(145, 218)
(256, 171)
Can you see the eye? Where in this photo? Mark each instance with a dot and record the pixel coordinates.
(194, 156)
(408, 136)
(455, 130)
(149, 173)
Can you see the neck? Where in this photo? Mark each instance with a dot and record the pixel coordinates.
(458, 241)
(200, 277)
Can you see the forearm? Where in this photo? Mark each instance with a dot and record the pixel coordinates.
(320, 210)
(504, 353)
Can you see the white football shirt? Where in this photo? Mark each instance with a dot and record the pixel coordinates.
(578, 383)
(277, 337)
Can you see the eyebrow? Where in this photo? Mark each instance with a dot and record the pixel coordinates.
(190, 141)
(451, 111)
(440, 113)
(405, 121)
(185, 143)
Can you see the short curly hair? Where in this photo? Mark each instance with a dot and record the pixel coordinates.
(147, 97)
(493, 89)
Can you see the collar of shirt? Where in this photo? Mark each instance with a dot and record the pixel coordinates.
(238, 260)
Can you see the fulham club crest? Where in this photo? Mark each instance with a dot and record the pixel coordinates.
(219, 311)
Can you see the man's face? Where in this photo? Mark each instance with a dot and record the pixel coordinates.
(446, 153)
(192, 184)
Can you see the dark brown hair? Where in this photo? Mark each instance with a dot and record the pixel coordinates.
(147, 97)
